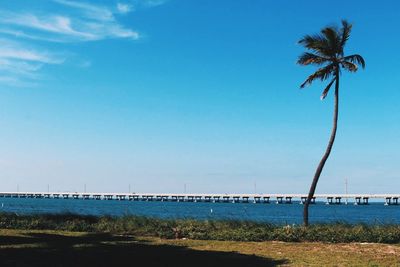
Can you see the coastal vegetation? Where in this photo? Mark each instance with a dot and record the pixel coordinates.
(327, 52)
(206, 229)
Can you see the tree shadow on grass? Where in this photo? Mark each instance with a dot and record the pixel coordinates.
(41, 249)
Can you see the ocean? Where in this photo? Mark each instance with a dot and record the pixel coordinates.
(374, 213)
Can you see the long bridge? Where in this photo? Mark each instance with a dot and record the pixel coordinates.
(337, 199)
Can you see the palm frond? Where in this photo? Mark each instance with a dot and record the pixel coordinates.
(349, 66)
(357, 59)
(331, 34)
(317, 43)
(325, 92)
(310, 58)
(321, 74)
(345, 34)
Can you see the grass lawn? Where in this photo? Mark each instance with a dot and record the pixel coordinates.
(60, 248)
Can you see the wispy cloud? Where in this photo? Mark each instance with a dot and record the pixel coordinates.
(18, 34)
(84, 23)
(73, 22)
(90, 10)
(124, 8)
(19, 64)
(27, 55)
(53, 24)
(98, 22)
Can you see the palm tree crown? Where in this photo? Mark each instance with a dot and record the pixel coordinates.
(327, 51)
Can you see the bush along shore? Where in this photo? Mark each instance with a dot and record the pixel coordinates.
(204, 230)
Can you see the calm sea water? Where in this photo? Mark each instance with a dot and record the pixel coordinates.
(261, 212)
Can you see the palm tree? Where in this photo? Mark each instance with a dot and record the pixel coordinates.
(326, 50)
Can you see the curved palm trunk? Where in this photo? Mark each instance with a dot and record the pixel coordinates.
(326, 155)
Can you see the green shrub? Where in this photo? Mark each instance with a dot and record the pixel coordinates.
(205, 229)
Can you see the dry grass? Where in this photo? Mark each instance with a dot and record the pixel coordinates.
(304, 254)
(40, 248)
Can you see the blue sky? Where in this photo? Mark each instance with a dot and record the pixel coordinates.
(159, 94)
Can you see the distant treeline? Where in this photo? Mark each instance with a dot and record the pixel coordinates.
(204, 229)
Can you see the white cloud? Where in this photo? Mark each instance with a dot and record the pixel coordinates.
(20, 64)
(60, 25)
(77, 21)
(22, 54)
(99, 21)
(63, 28)
(124, 8)
(15, 70)
(91, 11)
(18, 34)
(18, 51)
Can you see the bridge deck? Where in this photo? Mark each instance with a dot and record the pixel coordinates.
(389, 199)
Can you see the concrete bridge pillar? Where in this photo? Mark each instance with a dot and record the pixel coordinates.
(304, 199)
(225, 199)
(329, 200)
(120, 197)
